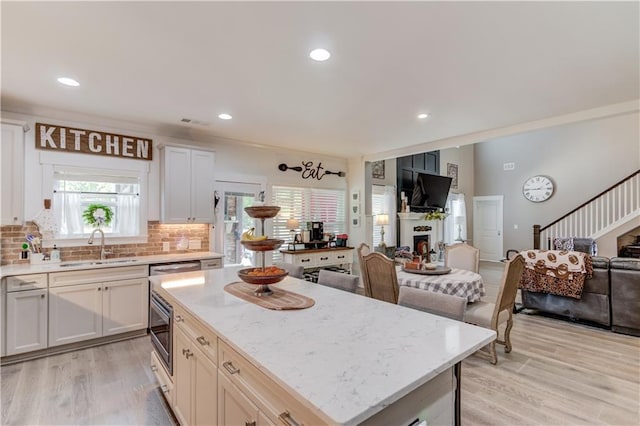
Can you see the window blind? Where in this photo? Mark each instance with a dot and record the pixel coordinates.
(307, 205)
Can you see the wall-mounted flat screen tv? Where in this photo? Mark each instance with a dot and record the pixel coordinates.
(430, 192)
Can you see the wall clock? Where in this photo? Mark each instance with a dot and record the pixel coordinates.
(537, 189)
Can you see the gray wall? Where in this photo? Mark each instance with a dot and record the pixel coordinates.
(582, 159)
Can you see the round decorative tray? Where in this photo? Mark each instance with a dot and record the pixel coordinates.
(262, 212)
(262, 281)
(262, 245)
(440, 270)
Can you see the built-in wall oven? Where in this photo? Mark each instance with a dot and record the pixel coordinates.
(161, 312)
(161, 329)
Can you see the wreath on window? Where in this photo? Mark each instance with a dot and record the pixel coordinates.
(98, 215)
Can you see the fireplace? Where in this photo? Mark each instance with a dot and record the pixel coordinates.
(421, 244)
(417, 233)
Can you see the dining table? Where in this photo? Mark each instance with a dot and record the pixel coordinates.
(456, 282)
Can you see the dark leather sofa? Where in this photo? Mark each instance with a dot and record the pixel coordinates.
(610, 298)
(625, 295)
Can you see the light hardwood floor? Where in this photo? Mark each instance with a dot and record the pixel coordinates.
(559, 373)
(104, 385)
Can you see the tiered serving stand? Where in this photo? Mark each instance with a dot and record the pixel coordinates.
(263, 246)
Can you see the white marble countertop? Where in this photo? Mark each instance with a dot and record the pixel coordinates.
(348, 356)
(74, 265)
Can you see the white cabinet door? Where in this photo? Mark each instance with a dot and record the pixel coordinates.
(12, 175)
(125, 306)
(187, 185)
(195, 383)
(202, 177)
(26, 321)
(181, 377)
(75, 313)
(176, 185)
(205, 388)
(234, 408)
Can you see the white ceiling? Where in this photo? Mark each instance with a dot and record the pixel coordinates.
(473, 66)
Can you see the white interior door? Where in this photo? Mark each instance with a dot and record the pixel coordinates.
(487, 226)
(232, 221)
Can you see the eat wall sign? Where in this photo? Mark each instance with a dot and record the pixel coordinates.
(68, 139)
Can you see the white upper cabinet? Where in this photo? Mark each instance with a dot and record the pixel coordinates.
(12, 174)
(187, 177)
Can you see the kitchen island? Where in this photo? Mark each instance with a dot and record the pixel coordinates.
(346, 360)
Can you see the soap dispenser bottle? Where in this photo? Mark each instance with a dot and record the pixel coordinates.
(55, 254)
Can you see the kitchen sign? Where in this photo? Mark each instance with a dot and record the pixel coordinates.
(68, 139)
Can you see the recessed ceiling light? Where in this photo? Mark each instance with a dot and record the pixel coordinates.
(422, 116)
(319, 54)
(225, 117)
(68, 81)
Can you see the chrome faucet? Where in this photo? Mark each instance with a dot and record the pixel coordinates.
(103, 252)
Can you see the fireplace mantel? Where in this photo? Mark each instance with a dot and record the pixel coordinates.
(408, 221)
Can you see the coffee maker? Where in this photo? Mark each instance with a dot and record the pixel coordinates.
(317, 231)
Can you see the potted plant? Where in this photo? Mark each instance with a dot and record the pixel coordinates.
(435, 215)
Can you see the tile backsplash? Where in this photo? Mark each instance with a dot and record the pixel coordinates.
(12, 237)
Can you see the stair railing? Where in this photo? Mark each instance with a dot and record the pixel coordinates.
(594, 218)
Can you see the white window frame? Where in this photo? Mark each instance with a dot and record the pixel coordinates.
(278, 229)
(95, 165)
(383, 202)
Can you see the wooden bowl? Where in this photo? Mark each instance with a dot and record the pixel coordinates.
(263, 245)
(260, 280)
(262, 212)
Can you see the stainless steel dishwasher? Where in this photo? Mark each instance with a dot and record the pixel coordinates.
(184, 266)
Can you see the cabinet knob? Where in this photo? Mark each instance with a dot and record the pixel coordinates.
(42, 296)
(179, 318)
(286, 418)
(154, 367)
(165, 388)
(202, 341)
(99, 288)
(230, 368)
(106, 288)
(187, 353)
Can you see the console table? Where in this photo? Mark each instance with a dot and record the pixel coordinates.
(320, 258)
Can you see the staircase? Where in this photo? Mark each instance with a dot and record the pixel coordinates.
(603, 213)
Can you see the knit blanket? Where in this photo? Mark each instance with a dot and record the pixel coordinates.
(558, 272)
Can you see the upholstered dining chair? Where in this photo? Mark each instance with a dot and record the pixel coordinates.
(493, 315)
(445, 305)
(381, 281)
(462, 256)
(363, 250)
(294, 271)
(338, 280)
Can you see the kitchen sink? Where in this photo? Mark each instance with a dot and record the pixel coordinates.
(98, 262)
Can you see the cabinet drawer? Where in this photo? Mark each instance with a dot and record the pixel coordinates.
(26, 282)
(211, 263)
(201, 337)
(342, 256)
(166, 385)
(324, 259)
(304, 260)
(271, 399)
(85, 276)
